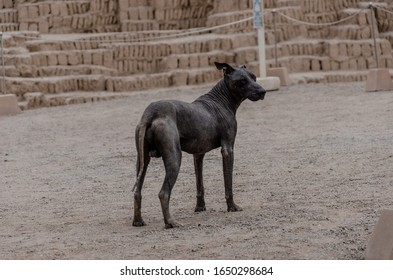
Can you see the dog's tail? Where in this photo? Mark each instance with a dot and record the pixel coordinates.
(140, 144)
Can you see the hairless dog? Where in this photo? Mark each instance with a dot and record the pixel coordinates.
(168, 127)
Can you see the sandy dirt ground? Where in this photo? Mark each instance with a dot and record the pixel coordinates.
(313, 171)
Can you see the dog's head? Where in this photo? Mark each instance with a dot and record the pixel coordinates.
(241, 82)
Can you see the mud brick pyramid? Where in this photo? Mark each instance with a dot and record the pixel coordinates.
(61, 52)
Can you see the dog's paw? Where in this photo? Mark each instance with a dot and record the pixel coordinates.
(138, 223)
(200, 208)
(234, 208)
(172, 224)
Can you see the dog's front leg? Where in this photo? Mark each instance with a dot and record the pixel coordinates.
(198, 165)
(227, 159)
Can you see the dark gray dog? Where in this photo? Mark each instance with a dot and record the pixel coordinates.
(169, 127)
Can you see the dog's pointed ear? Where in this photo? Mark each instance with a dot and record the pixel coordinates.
(226, 68)
(243, 66)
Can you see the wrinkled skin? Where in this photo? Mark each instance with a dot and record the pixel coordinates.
(169, 127)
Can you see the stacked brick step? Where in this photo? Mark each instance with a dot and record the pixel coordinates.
(347, 45)
(8, 16)
(331, 55)
(56, 68)
(43, 71)
(181, 61)
(180, 53)
(231, 11)
(68, 16)
(38, 99)
(385, 21)
(57, 58)
(137, 15)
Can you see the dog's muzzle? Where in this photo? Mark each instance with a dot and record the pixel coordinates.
(259, 95)
(262, 94)
(256, 93)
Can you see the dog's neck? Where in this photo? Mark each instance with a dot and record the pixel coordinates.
(220, 98)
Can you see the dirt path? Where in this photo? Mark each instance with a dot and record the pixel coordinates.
(313, 170)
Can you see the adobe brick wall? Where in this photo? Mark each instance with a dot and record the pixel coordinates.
(54, 47)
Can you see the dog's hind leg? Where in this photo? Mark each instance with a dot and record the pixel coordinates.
(172, 167)
(198, 165)
(141, 167)
(169, 147)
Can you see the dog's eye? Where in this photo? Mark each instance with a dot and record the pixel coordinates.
(242, 82)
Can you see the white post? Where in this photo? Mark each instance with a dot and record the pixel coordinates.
(268, 83)
(262, 56)
(2, 61)
(372, 14)
(258, 24)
